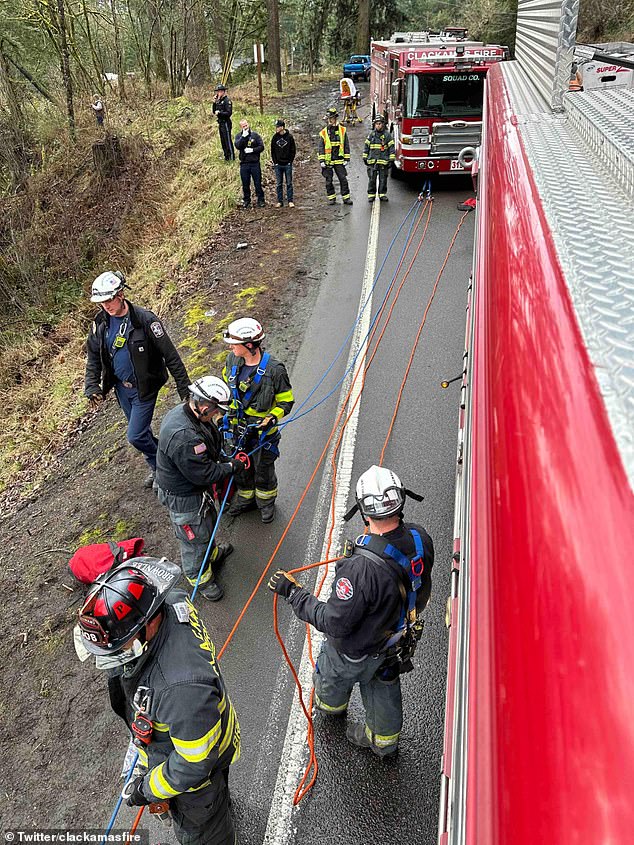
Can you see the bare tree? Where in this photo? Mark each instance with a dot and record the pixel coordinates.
(362, 43)
(65, 66)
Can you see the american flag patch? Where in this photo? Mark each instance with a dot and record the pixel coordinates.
(200, 448)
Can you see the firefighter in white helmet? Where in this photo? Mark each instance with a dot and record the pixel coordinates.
(188, 462)
(129, 350)
(371, 620)
(261, 394)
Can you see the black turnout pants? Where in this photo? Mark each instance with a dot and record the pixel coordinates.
(380, 171)
(204, 817)
(340, 171)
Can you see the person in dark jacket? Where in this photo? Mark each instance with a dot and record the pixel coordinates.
(188, 462)
(250, 146)
(334, 156)
(129, 350)
(261, 394)
(371, 616)
(378, 155)
(222, 107)
(283, 151)
(164, 681)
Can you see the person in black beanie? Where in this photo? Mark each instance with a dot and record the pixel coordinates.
(283, 151)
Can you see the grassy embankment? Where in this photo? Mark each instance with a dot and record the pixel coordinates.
(152, 222)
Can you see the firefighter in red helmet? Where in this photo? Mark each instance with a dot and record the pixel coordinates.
(165, 683)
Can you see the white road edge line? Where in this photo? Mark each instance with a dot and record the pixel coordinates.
(294, 753)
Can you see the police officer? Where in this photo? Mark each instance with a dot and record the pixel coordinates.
(370, 620)
(334, 155)
(378, 154)
(188, 462)
(222, 107)
(261, 394)
(166, 684)
(130, 350)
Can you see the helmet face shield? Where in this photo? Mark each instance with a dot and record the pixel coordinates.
(380, 505)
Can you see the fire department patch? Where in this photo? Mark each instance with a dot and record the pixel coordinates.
(344, 589)
(157, 329)
(199, 448)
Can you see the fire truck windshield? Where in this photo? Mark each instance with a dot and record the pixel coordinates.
(456, 94)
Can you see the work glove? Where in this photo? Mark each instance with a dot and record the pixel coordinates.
(322, 164)
(95, 401)
(267, 422)
(239, 462)
(132, 793)
(284, 584)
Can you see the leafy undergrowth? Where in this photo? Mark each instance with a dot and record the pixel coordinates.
(151, 221)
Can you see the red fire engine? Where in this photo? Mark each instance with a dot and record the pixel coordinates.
(539, 745)
(430, 89)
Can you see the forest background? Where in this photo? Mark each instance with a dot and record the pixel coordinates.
(154, 64)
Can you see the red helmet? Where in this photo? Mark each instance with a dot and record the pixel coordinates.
(122, 600)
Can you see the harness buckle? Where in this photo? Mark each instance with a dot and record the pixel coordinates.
(418, 566)
(260, 371)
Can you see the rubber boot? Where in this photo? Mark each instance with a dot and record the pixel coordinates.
(212, 591)
(224, 550)
(239, 506)
(267, 512)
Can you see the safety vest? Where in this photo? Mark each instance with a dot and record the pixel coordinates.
(409, 570)
(327, 157)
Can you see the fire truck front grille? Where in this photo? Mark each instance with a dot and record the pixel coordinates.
(447, 139)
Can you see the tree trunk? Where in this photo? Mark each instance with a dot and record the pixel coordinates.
(157, 47)
(13, 150)
(65, 64)
(273, 37)
(118, 49)
(215, 27)
(197, 50)
(363, 28)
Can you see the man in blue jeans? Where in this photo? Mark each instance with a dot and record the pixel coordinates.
(250, 146)
(283, 152)
(129, 350)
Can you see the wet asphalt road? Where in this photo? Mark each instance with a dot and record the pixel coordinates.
(357, 799)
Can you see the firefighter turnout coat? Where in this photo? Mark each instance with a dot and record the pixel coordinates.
(151, 351)
(334, 147)
(379, 148)
(271, 395)
(195, 731)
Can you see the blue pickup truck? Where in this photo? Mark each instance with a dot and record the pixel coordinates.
(357, 68)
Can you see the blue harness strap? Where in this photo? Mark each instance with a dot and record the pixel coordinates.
(413, 567)
(242, 402)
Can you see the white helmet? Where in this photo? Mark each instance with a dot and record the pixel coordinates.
(244, 330)
(106, 286)
(380, 493)
(210, 389)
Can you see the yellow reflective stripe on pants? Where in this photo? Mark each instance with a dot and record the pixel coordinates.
(195, 750)
(246, 494)
(207, 574)
(265, 494)
(159, 785)
(327, 708)
(381, 741)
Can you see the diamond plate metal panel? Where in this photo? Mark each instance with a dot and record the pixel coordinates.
(544, 46)
(604, 121)
(590, 207)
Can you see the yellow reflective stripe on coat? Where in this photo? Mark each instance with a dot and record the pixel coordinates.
(195, 750)
(228, 737)
(159, 785)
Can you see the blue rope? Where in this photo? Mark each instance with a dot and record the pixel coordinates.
(293, 418)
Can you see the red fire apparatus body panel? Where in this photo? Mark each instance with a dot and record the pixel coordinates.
(549, 527)
(431, 94)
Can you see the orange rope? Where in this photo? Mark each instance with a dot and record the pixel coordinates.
(312, 764)
(135, 824)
